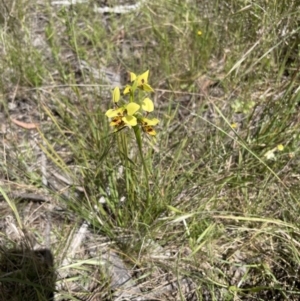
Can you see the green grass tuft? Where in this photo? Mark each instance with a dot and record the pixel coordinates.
(218, 214)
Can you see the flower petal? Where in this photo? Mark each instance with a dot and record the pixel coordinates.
(114, 112)
(116, 94)
(143, 78)
(147, 105)
(280, 147)
(127, 90)
(129, 120)
(147, 121)
(132, 108)
(132, 76)
(149, 130)
(147, 88)
(117, 121)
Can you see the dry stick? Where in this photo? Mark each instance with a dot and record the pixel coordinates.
(119, 9)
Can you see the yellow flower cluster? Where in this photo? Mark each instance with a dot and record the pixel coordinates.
(133, 113)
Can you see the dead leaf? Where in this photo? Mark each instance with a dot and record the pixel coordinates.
(24, 125)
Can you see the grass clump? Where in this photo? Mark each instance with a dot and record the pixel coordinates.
(206, 206)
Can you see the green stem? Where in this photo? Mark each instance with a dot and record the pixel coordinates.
(123, 147)
(137, 132)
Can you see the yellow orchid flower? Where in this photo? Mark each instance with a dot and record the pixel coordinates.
(147, 125)
(131, 109)
(142, 81)
(124, 115)
(116, 116)
(129, 114)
